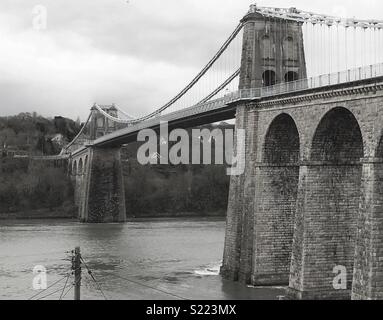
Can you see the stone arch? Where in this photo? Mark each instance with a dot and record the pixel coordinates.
(379, 147)
(277, 178)
(329, 204)
(86, 163)
(74, 168)
(269, 78)
(281, 143)
(80, 167)
(338, 138)
(291, 76)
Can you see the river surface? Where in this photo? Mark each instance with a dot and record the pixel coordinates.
(142, 259)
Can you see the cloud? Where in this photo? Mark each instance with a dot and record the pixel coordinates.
(61, 72)
(137, 54)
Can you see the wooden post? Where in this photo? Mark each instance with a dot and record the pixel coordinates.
(77, 273)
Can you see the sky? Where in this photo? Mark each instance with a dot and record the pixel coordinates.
(135, 53)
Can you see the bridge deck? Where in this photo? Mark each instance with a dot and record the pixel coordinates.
(225, 108)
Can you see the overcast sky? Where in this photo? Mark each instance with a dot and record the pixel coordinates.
(135, 53)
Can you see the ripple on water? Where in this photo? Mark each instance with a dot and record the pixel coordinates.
(210, 270)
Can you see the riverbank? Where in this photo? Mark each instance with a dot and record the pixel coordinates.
(71, 213)
(45, 213)
(218, 214)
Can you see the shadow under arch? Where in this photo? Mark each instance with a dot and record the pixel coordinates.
(338, 138)
(328, 205)
(291, 76)
(74, 168)
(80, 167)
(281, 143)
(269, 78)
(276, 194)
(379, 148)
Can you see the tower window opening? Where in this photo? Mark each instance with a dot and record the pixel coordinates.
(291, 76)
(268, 78)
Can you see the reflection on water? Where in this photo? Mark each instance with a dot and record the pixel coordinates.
(179, 257)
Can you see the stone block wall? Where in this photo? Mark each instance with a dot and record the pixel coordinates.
(368, 268)
(325, 237)
(234, 222)
(100, 191)
(276, 195)
(295, 218)
(106, 195)
(248, 202)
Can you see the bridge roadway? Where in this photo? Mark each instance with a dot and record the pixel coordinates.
(225, 108)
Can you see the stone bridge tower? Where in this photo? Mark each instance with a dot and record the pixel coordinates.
(272, 51)
(97, 172)
(100, 125)
(308, 208)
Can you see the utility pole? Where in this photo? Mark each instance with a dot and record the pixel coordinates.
(76, 266)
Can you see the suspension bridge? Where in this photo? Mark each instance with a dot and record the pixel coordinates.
(340, 51)
(308, 90)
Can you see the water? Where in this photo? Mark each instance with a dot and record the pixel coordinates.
(178, 257)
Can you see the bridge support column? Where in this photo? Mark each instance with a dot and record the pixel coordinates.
(368, 265)
(76, 183)
(276, 194)
(238, 251)
(262, 204)
(249, 184)
(275, 202)
(324, 231)
(103, 195)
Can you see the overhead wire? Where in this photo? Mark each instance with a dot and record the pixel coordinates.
(93, 278)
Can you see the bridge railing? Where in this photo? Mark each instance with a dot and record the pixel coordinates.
(351, 75)
(50, 158)
(243, 94)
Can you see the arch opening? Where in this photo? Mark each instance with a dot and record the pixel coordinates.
(74, 168)
(80, 167)
(330, 203)
(268, 78)
(86, 164)
(276, 202)
(291, 76)
(379, 150)
(282, 141)
(338, 138)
